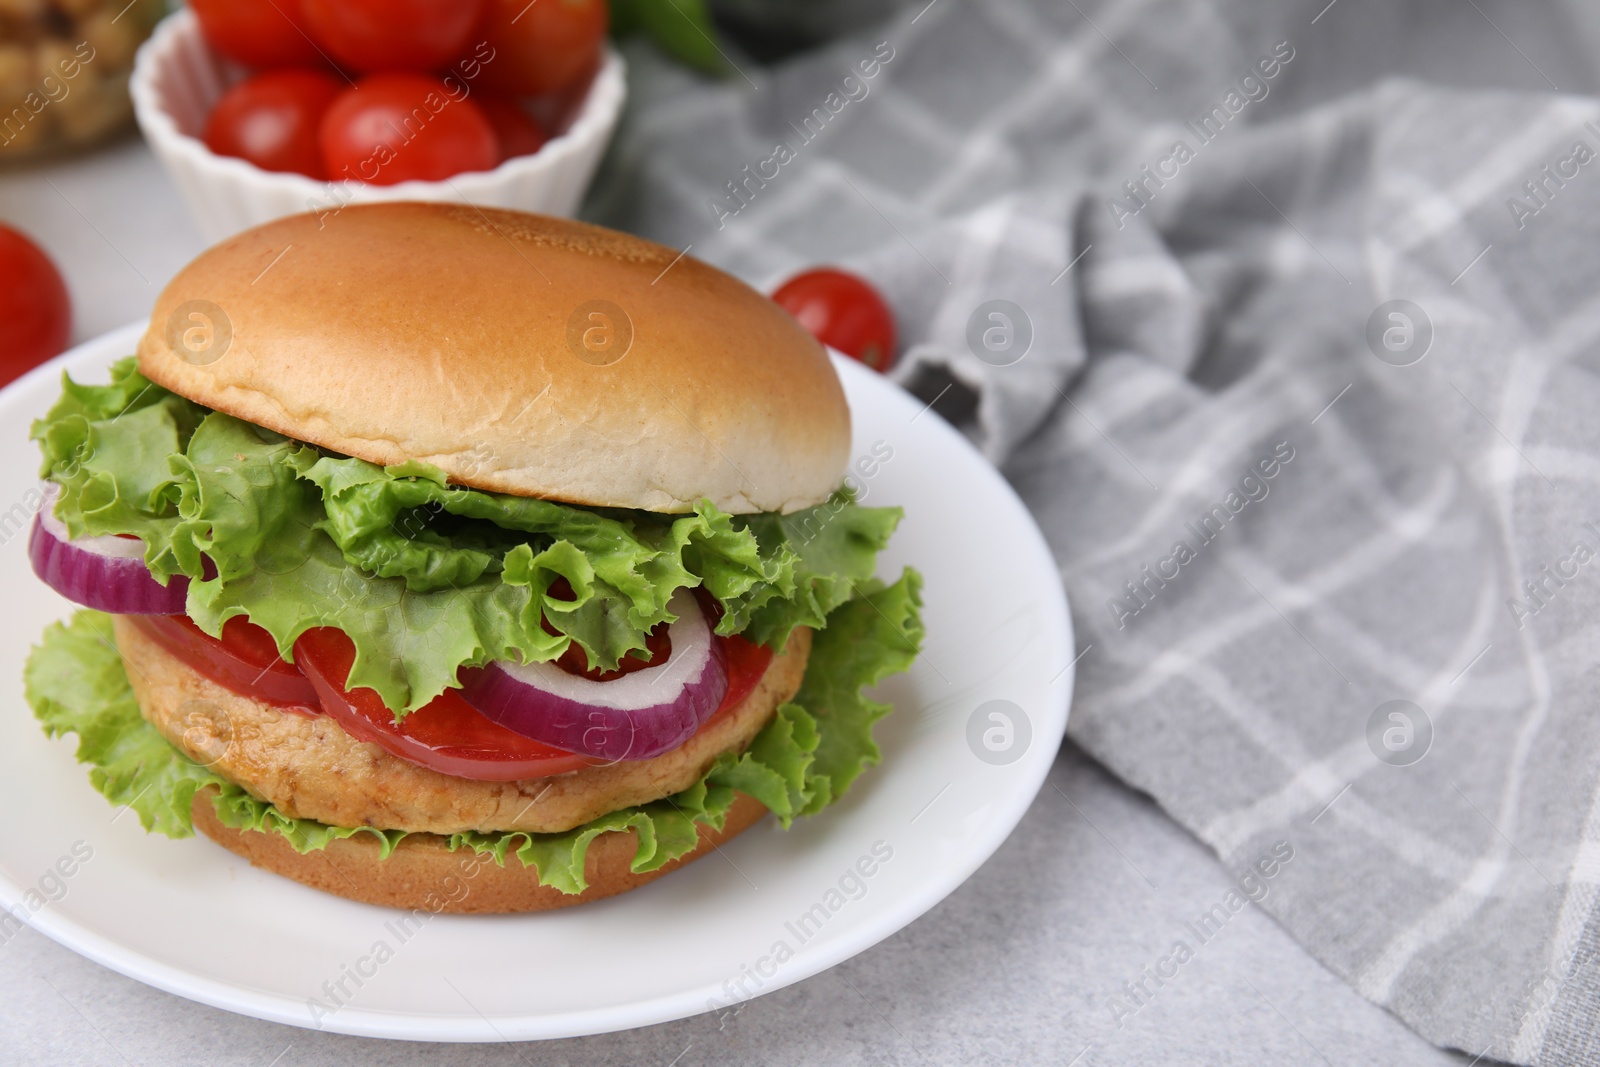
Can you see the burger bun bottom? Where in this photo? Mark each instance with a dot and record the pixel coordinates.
(423, 874)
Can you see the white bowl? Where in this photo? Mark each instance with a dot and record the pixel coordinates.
(177, 78)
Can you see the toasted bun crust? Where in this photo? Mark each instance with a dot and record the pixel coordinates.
(309, 768)
(464, 338)
(422, 873)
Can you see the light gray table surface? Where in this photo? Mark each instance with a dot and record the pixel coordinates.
(1018, 965)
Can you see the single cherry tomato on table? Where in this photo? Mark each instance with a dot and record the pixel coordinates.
(35, 312)
(515, 130)
(258, 33)
(842, 311)
(544, 46)
(392, 128)
(392, 35)
(274, 120)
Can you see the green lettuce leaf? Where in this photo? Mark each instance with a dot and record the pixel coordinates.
(107, 447)
(683, 29)
(424, 577)
(804, 759)
(75, 683)
(867, 639)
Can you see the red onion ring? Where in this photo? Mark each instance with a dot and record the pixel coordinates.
(106, 573)
(637, 716)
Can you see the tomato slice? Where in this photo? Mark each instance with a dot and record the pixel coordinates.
(747, 662)
(449, 735)
(245, 660)
(657, 643)
(446, 735)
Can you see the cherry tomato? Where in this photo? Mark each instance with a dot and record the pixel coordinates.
(543, 46)
(391, 35)
(514, 128)
(273, 120)
(258, 33)
(446, 735)
(245, 660)
(35, 312)
(842, 311)
(392, 128)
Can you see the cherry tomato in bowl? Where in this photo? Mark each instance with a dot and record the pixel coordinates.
(545, 46)
(35, 311)
(391, 128)
(258, 33)
(844, 312)
(274, 120)
(392, 35)
(515, 130)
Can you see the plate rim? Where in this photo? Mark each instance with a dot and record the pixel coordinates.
(358, 1021)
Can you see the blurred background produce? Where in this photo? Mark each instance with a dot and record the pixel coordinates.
(331, 83)
(64, 68)
(277, 70)
(64, 64)
(35, 311)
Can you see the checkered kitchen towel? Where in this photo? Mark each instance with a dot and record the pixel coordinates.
(1306, 401)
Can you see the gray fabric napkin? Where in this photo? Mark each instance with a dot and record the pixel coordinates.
(1306, 408)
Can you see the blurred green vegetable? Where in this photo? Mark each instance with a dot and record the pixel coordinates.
(681, 28)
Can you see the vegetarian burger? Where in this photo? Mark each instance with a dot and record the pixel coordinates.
(464, 560)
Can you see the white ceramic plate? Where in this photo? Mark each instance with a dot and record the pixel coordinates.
(190, 918)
